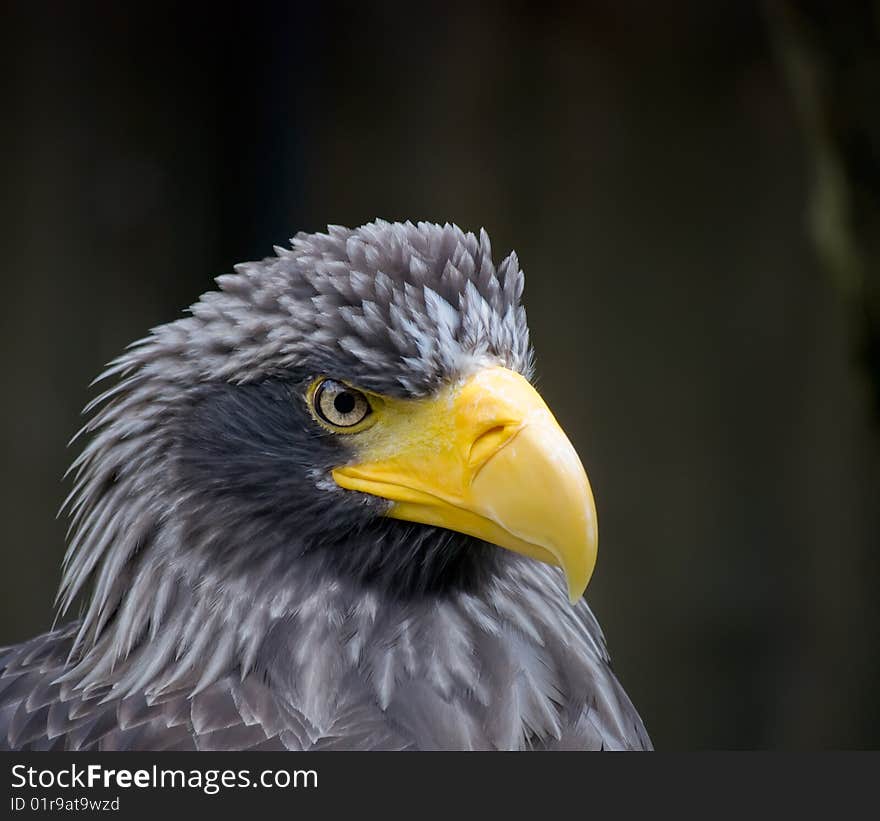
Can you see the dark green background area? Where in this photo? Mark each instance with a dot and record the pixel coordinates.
(646, 162)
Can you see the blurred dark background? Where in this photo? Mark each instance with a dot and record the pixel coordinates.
(658, 168)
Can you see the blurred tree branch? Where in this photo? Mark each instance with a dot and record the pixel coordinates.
(831, 56)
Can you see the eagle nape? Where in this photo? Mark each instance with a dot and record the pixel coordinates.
(328, 510)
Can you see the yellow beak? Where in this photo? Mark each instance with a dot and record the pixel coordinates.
(486, 457)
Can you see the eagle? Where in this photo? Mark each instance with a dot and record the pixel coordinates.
(327, 509)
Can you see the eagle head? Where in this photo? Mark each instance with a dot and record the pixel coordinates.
(354, 411)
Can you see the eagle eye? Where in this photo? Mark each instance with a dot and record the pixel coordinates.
(339, 405)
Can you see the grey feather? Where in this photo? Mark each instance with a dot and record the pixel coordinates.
(434, 678)
(239, 599)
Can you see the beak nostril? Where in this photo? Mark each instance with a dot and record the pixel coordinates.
(489, 442)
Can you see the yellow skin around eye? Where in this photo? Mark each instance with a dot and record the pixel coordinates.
(391, 420)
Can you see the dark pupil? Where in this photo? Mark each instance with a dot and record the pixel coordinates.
(344, 403)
